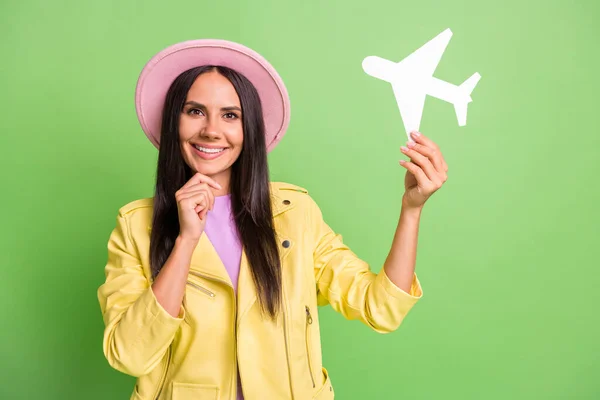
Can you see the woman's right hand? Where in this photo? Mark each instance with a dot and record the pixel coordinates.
(194, 200)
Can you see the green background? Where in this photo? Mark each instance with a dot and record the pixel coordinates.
(508, 248)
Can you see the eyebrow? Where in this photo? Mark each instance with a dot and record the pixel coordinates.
(202, 106)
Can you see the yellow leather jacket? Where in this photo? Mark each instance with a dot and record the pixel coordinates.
(194, 356)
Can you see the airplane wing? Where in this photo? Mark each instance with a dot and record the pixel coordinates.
(423, 61)
(412, 79)
(411, 101)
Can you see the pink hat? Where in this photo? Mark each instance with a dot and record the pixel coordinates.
(158, 74)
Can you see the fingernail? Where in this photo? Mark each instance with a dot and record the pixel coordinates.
(415, 134)
(411, 144)
(404, 148)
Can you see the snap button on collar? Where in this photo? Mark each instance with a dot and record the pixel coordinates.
(286, 243)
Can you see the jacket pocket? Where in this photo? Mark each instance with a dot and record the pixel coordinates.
(326, 392)
(309, 322)
(193, 391)
(201, 289)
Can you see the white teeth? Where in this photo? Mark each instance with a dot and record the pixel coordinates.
(207, 150)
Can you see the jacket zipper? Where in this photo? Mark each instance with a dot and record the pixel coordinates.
(309, 322)
(202, 289)
(287, 355)
(164, 375)
(235, 334)
(210, 278)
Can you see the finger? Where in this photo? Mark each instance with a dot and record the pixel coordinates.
(182, 193)
(422, 179)
(200, 207)
(196, 186)
(199, 178)
(211, 199)
(211, 196)
(202, 213)
(195, 198)
(422, 162)
(199, 197)
(199, 210)
(433, 155)
(424, 140)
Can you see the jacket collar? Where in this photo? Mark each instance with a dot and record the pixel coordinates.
(279, 204)
(206, 261)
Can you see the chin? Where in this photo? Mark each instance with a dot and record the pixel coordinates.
(209, 169)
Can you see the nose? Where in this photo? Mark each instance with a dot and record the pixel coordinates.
(210, 134)
(211, 129)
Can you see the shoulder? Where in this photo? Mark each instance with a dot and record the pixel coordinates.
(293, 196)
(137, 215)
(145, 204)
(282, 187)
(288, 192)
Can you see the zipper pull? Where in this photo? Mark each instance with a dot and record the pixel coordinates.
(308, 316)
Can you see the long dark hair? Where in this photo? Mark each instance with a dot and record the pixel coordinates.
(249, 186)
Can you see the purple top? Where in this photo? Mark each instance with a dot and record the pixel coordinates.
(221, 231)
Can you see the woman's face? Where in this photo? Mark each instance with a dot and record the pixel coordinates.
(210, 127)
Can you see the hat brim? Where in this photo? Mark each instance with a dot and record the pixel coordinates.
(162, 69)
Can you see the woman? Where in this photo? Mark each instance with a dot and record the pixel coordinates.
(212, 285)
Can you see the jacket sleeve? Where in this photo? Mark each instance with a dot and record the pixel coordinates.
(347, 283)
(138, 330)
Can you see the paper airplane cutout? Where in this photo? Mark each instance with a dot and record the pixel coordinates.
(412, 79)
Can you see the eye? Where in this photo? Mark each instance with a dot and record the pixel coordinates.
(230, 115)
(194, 111)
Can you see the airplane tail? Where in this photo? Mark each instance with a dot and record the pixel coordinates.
(465, 89)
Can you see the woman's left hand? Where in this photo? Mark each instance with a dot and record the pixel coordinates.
(426, 171)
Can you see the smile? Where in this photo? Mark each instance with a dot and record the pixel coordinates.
(209, 150)
(208, 153)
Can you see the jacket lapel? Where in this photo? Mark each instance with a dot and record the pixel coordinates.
(206, 261)
(247, 294)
